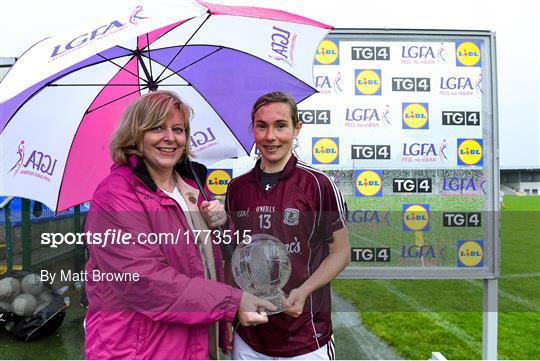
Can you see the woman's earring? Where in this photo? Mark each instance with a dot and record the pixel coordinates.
(294, 145)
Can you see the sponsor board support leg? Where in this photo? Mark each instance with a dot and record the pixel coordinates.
(26, 234)
(8, 238)
(490, 320)
(437, 356)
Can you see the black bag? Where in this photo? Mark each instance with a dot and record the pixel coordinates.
(44, 322)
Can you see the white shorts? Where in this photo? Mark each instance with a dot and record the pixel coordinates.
(242, 351)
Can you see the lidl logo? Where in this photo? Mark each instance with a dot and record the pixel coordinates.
(218, 180)
(415, 115)
(468, 53)
(415, 217)
(368, 81)
(470, 253)
(328, 52)
(368, 183)
(470, 151)
(325, 151)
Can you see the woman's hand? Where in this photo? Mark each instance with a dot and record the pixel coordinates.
(295, 302)
(213, 213)
(249, 313)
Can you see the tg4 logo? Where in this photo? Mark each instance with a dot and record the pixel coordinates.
(370, 254)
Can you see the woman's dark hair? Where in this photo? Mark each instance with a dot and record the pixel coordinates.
(276, 97)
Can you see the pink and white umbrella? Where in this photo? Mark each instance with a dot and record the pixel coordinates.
(62, 99)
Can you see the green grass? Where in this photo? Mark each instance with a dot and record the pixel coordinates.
(422, 316)
(388, 232)
(450, 320)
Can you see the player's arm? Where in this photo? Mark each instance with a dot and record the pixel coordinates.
(338, 258)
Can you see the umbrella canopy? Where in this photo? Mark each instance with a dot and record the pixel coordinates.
(61, 101)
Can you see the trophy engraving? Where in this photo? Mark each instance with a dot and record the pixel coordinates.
(262, 267)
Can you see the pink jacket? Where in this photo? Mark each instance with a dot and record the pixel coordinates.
(166, 313)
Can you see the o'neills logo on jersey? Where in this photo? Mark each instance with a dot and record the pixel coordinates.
(218, 180)
(101, 32)
(34, 163)
(265, 209)
(325, 151)
(291, 216)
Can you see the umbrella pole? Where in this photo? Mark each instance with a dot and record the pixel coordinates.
(197, 180)
(226, 249)
(7, 200)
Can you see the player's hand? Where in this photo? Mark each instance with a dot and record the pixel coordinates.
(295, 302)
(213, 213)
(248, 312)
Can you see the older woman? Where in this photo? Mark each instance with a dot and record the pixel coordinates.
(161, 294)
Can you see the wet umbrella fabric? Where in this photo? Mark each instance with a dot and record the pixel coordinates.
(61, 101)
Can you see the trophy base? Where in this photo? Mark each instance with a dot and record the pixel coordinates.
(277, 299)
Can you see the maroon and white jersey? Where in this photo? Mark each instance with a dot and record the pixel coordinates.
(303, 209)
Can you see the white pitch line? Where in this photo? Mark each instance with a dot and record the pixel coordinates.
(520, 275)
(434, 317)
(364, 238)
(369, 345)
(510, 276)
(456, 331)
(522, 301)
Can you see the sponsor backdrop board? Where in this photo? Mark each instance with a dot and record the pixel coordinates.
(405, 122)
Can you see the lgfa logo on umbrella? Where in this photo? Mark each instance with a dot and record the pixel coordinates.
(38, 164)
(283, 42)
(97, 34)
